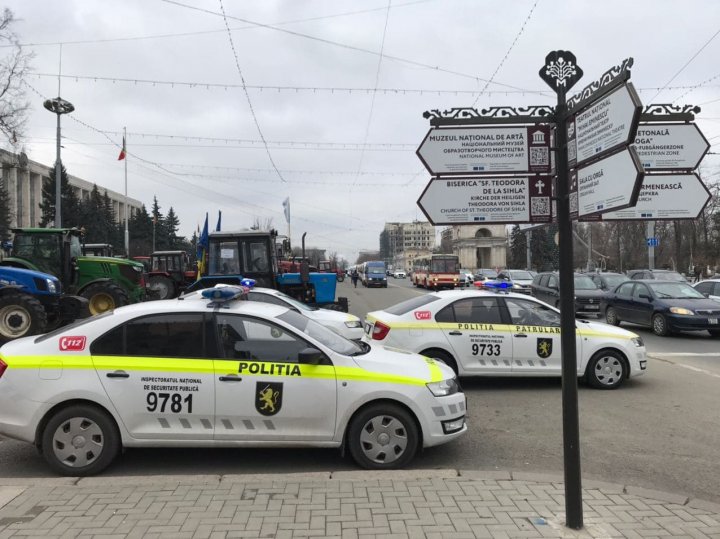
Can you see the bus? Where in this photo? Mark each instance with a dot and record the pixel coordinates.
(437, 271)
(372, 273)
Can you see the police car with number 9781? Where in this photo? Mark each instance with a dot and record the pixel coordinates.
(494, 333)
(211, 370)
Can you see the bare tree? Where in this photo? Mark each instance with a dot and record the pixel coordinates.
(264, 223)
(14, 66)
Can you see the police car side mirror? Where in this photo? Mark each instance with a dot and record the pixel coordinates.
(310, 356)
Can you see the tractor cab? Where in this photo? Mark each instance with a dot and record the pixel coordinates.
(98, 249)
(250, 254)
(170, 273)
(52, 251)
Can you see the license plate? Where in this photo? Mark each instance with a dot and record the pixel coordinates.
(592, 307)
(712, 320)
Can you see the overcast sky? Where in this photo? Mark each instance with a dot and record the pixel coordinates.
(311, 68)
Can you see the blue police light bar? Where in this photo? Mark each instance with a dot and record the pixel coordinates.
(223, 294)
(498, 285)
(247, 282)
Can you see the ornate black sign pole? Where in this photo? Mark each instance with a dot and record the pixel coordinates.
(561, 72)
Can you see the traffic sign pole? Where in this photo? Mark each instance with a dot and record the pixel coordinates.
(560, 73)
(651, 246)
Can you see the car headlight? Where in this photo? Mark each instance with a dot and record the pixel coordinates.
(52, 288)
(681, 310)
(353, 324)
(637, 341)
(444, 387)
(138, 269)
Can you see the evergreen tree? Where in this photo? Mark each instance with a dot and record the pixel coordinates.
(171, 225)
(140, 227)
(161, 237)
(5, 216)
(518, 248)
(70, 205)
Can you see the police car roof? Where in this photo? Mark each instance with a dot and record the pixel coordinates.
(195, 302)
(453, 294)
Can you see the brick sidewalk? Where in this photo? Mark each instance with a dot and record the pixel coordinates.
(419, 503)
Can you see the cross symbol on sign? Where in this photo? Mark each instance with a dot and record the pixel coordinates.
(540, 184)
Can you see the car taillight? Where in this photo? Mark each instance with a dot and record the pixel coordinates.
(3, 367)
(380, 331)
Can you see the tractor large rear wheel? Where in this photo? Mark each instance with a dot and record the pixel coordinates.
(20, 315)
(162, 287)
(104, 297)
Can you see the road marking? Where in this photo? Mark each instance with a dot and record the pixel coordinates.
(688, 367)
(8, 494)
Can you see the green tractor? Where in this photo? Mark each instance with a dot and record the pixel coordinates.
(106, 282)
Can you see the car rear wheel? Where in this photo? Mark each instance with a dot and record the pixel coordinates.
(606, 370)
(382, 436)
(611, 317)
(80, 440)
(660, 325)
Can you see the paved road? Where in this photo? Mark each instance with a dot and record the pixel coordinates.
(659, 431)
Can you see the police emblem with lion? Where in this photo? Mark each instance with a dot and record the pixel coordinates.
(268, 397)
(544, 347)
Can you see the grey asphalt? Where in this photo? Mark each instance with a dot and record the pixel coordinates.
(387, 504)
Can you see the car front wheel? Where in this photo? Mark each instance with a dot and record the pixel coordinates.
(660, 325)
(80, 440)
(382, 436)
(606, 370)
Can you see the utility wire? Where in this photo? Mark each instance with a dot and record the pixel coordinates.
(247, 95)
(703, 83)
(372, 101)
(517, 36)
(348, 47)
(685, 65)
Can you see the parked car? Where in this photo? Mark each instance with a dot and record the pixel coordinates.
(468, 276)
(484, 274)
(399, 274)
(520, 279)
(220, 372)
(661, 274)
(664, 306)
(588, 297)
(710, 288)
(608, 281)
(486, 333)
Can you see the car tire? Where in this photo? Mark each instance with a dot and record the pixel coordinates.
(607, 369)
(442, 356)
(714, 333)
(611, 317)
(659, 325)
(162, 286)
(382, 436)
(104, 297)
(21, 315)
(90, 428)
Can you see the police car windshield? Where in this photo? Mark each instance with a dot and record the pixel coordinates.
(411, 304)
(295, 303)
(337, 343)
(73, 326)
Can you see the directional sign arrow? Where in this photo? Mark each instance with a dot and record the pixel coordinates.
(662, 146)
(486, 150)
(604, 126)
(610, 184)
(666, 196)
(473, 200)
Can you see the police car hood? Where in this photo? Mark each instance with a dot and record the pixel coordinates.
(395, 362)
(598, 328)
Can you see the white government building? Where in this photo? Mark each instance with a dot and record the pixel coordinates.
(23, 180)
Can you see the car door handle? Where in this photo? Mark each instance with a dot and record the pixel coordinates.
(520, 335)
(230, 378)
(455, 333)
(118, 374)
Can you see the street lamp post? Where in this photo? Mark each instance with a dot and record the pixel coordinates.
(58, 106)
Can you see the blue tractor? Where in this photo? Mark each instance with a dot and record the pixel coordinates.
(32, 302)
(256, 255)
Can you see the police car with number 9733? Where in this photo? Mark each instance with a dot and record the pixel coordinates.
(210, 370)
(494, 333)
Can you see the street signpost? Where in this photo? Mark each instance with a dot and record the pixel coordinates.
(486, 150)
(604, 125)
(670, 146)
(496, 200)
(666, 196)
(612, 183)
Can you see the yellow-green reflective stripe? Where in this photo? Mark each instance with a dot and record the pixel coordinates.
(435, 371)
(361, 375)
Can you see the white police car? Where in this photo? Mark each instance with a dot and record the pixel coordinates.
(219, 373)
(485, 333)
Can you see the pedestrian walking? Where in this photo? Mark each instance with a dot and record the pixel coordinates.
(354, 276)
